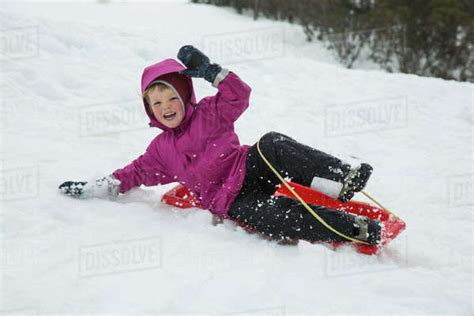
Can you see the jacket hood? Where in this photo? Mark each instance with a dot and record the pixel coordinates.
(154, 71)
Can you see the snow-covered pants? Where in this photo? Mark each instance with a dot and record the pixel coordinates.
(283, 218)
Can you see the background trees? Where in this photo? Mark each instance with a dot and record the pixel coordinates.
(425, 37)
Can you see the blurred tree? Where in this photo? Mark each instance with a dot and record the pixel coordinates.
(425, 37)
(431, 38)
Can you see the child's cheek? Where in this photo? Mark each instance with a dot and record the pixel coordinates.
(157, 112)
(177, 106)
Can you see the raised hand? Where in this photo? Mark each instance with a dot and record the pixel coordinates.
(198, 64)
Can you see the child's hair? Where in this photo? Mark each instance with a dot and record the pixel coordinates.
(160, 86)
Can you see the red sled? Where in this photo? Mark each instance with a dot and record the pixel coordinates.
(181, 197)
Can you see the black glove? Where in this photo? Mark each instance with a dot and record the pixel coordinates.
(198, 64)
(72, 188)
(106, 187)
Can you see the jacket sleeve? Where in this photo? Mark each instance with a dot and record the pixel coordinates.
(146, 169)
(231, 99)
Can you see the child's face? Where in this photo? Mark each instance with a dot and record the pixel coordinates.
(166, 107)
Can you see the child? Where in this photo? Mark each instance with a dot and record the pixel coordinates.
(199, 148)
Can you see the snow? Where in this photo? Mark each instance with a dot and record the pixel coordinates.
(70, 75)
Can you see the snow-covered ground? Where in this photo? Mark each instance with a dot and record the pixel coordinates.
(70, 75)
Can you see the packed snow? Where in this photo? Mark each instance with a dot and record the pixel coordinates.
(71, 110)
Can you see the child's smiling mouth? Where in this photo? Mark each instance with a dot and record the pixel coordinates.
(169, 116)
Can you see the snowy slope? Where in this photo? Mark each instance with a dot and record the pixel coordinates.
(70, 75)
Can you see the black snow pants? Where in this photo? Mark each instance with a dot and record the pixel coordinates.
(282, 218)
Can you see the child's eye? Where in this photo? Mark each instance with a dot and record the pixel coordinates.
(156, 104)
(173, 98)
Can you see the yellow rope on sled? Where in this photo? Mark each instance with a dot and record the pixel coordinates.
(309, 209)
(378, 203)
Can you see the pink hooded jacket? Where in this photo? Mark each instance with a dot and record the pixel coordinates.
(203, 152)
